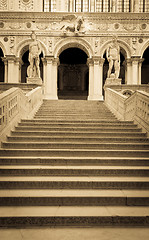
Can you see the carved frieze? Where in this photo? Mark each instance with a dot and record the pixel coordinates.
(15, 25)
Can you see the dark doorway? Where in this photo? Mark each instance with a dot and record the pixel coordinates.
(73, 74)
(2, 67)
(145, 68)
(26, 64)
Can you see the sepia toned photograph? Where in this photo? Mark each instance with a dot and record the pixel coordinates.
(74, 119)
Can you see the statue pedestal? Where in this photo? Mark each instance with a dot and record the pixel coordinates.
(34, 80)
(113, 81)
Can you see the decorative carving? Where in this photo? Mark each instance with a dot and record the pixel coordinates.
(129, 27)
(34, 52)
(3, 4)
(1, 25)
(50, 43)
(15, 25)
(26, 5)
(134, 45)
(96, 45)
(42, 26)
(12, 39)
(72, 23)
(113, 57)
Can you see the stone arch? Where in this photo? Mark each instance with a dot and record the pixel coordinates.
(125, 49)
(3, 49)
(144, 47)
(70, 43)
(23, 46)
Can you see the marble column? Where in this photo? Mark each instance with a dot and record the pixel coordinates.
(140, 67)
(135, 70)
(4, 59)
(44, 61)
(50, 83)
(95, 78)
(90, 63)
(17, 74)
(128, 74)
(11, 67)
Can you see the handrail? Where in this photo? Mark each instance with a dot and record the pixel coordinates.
(14, 105)
(135, 107)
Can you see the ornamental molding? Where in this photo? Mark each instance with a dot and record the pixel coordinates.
(96, 17)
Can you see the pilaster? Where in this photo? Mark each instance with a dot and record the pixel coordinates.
(95, 78)
(128, 75)
(4, 59)
(11, 66)
(50, 75)
(135, 69)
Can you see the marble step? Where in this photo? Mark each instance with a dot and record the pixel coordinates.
(77, 139)
(78, 161)
(74, 152)
(75, 197)
(44, 170)
(75, 145)
(78, 129)
(82, 134)
(73, 182)
(70, 216)
(75, 121)
(95, 125)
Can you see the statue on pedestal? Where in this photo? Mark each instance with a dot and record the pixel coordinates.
(33, 70)
(113, 57)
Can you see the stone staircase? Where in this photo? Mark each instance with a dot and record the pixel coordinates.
(74, 164)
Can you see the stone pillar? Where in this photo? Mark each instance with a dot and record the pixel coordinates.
(140, 67)
(50, 85)
(44, 61)
(4, 59)
(135, 70)
(55, 64)
(17, 75)
(96, 79)
(11, 67)
(128, 74)
(90, 63)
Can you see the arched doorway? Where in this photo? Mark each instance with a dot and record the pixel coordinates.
(73, 74)
(145, 67)
(2, 68)
(26, 64)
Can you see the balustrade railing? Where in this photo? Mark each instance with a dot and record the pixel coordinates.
(14, 105)
(135, 107)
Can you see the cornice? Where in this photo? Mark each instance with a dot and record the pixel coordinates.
(88, 16)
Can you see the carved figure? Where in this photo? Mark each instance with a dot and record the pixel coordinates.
(74, 23)
(34, 52)
(113, 57)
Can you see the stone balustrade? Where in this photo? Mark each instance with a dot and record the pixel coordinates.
(135, 107)
(14, 105)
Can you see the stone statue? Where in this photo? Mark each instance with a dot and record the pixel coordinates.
(33, 70)
(73, 23)
(113, 57)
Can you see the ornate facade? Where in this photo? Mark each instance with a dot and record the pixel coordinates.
(86, 25)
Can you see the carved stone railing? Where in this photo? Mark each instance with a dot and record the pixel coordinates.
(135, 107)
(14, 105)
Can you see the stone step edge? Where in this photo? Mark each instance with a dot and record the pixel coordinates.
(74, 221)
(73, 201)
